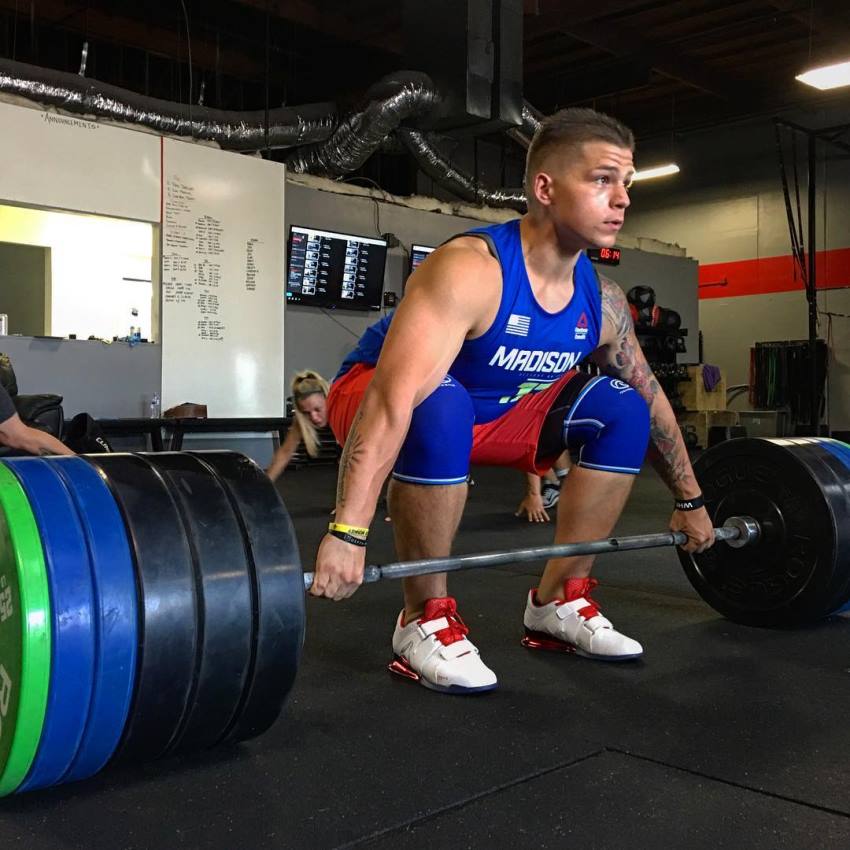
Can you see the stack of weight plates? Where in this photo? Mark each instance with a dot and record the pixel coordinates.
(799, 491)
(833, 471)
(150, 604)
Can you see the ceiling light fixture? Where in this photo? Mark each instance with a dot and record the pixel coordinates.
(658, 171)
(827, 77)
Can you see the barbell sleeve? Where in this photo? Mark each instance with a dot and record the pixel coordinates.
(739, 531)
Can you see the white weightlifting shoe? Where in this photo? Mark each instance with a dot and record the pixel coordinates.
(435, 652)
(575, 625)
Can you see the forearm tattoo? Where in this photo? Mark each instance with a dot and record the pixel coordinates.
(668, 454)
(351, 455)
(623, 359)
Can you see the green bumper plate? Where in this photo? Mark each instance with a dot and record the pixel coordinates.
(24, 634)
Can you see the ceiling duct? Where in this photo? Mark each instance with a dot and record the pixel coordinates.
(242, 131)
(531, 120)
(324, 146)
(440, 169)
(394, 98)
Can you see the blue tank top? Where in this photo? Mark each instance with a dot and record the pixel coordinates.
(526, 349)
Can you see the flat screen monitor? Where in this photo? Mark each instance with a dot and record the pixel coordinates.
(417, 254)
(338, 270)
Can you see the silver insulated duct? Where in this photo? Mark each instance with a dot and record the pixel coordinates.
(458, 182)
(393, 99)
(241, 131)
(324, 146)
(531, 119)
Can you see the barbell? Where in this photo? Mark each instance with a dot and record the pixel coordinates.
(153, 604)
(736, 531)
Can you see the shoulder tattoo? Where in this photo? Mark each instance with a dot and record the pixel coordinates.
(615, 308)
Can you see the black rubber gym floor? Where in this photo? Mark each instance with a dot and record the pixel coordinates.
(723, 736)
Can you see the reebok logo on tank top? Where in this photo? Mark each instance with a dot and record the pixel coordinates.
(581, 327)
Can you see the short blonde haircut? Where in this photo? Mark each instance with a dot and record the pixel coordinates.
(305, 384)
(569, 128)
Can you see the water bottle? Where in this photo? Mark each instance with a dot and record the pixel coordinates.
(135, 334)
(155, 406)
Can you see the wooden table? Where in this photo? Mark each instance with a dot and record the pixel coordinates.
(176, 428)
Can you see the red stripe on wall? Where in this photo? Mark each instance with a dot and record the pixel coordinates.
(771, 274)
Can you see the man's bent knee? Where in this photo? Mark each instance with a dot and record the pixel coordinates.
(609, 426)
(439, 441)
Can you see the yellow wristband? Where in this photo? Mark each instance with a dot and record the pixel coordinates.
(353, 530)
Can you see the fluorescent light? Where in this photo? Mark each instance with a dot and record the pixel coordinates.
(827, 77)
(658, 171)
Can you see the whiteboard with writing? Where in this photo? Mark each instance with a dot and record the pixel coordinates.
(69, 163)
(222, 281)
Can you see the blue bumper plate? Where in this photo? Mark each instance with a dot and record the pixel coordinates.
(116, 614)
(70, 582)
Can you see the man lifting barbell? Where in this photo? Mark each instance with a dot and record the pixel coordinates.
(477, 366)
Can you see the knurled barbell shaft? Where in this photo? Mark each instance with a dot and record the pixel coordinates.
(743, 530)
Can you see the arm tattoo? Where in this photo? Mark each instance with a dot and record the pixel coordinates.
(622, 358)
(615, 308)
(668, 455)
(351, 454)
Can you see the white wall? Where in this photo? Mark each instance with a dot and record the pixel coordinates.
(69, 163)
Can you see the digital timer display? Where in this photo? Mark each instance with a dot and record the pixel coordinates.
(605, 256)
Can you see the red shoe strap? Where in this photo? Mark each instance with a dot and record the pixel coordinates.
(457, 630)
(446, 607)
(577, 588)
(581, 588)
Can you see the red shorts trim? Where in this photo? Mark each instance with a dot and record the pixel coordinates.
(511, 440)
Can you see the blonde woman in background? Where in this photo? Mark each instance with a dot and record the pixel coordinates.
(309, 394)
